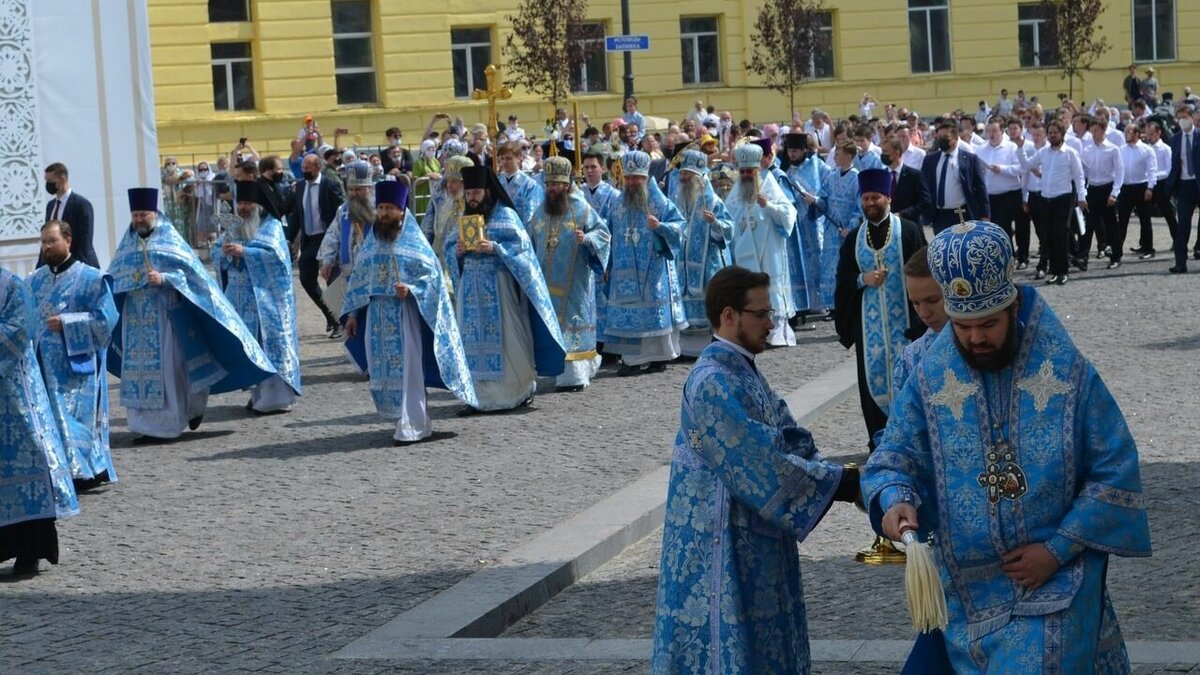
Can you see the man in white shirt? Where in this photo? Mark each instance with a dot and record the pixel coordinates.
(818, 126)
(513, 132)
(1002, 176)
(1062, 190)
(1016, 131)
(1162, 192)
(1137, 190)
(697, 113)
(968, 139)
(866, 107)
(1004, 106)
(913, 156)
(1031, 188)
(1104, 173)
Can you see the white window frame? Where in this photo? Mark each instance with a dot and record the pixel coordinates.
(227, 65)
(370, 36)
(1153, 42)
(695, 38)
(583, 71)
(468, 47)
(1038, 25)
(812, 60)
(928, 12)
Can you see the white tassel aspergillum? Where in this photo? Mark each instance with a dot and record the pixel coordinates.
(923, 586)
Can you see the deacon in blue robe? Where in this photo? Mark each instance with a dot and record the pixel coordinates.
(72, 344)
(523, 191)
(872, 312)
(178, 338)
(704, 245)
(747, 484)
(572, 244)
(600, 195)
(806, 173)
(1006, 447)
(254, 269)
(35, 481)
(505, 314)
(645, 313)
(400, 321)
(838, 203)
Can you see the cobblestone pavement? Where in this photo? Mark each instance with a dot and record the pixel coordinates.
(264, 544)
(1141, 328)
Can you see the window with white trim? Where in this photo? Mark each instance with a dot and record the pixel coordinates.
(929, 35)
(821, 66)
(1154, 30)
(233, 76)
(700, 49)
(1035, 37)
(353, 57)
(592, 75)
(471, 52)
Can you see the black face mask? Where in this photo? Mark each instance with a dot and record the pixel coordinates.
(52, 187)
(886, 159)
(942, 144)
(310, 176)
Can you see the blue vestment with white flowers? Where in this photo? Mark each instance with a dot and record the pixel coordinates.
(746, 484)
(525, 192)
(704, 248)
(35, 478)
(371, 297)
(1037, 452)
(601, 200)
(571, 269)
(259, 286)
(73, 361)
(839, 203)
(221, 354)
(809, 235)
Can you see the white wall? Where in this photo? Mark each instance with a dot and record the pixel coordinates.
(95, 113)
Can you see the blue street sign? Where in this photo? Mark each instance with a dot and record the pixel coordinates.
(626, 43)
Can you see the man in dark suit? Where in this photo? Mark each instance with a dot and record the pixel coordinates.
(910, 197)
(75, 210)
(1183, 184)
(271, 193)
(314, 204)
(954, 179)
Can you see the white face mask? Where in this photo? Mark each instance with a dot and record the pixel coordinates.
(1185, 124)
(395, 141)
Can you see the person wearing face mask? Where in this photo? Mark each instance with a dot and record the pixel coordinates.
(72, 208)
(403, 161)
(426, 166)
(1183, 184)
(909, 196)
(954, 178)
(314, 204)
(204, 203)
(271, 195)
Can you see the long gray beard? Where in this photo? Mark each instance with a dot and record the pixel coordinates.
(556, 206)
(248, 228)
(688, 193)
(747, 191)
(361, 211)
(637, 199)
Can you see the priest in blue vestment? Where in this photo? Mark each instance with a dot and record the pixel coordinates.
(35, 481)
(505, 314)
(178, 339)
(600, 195)
(445, 206)
(254, 269)
(807, 173)
(1007, 450)
(79, 316)
(645, 313)
(872, 313)
(838, 203)
(399, 319)
(704, 245)
(342, 239)
(572, 244)
(747, 484)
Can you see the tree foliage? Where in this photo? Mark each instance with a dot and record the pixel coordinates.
(787, 35)
(547, 45)
(1075, 25)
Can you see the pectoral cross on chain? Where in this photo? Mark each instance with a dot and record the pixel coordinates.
(1003, 476)
(633, 235)
(960, 212)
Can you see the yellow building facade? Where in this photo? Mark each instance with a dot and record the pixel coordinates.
(226, 69)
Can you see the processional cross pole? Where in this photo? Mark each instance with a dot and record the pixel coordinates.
(493, 92)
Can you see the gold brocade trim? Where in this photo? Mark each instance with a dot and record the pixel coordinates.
(582, 356)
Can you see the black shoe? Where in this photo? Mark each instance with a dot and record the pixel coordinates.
(1114, 265)
(829, 316)
(1178, 269)
(1061, 281)
(1040, 274)
(804, 327)
(468, 411)
(1081, 264)
(526, 403)
(1099, 255)
(337, 333)
(85, 484)
(1146, 255)
(265, 413)
(330, 325)
(146, 440)
(25, 567)
(657, 367)
(1022, 265)
(194, 423)
(569, 389)
(628, 371)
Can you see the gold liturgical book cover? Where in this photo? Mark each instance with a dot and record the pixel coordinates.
(470, 231)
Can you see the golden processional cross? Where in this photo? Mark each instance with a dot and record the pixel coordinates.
(493, 92)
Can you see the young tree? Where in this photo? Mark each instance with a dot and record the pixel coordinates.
(787, 35)
(1075, 25)
(547, 46)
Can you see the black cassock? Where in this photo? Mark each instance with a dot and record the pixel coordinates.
(848, 307)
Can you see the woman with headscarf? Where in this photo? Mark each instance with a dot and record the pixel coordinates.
(426, 166)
